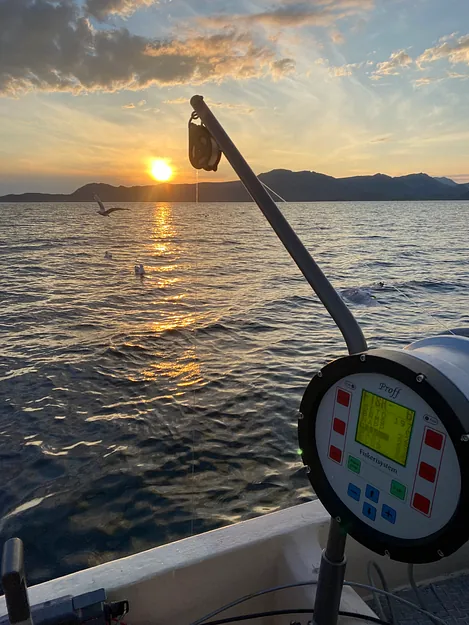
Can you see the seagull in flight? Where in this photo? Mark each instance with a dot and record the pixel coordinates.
(106, 212)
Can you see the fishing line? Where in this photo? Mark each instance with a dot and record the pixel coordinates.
(271, 190)
(194, 388)
(193, 344)
(418, 305)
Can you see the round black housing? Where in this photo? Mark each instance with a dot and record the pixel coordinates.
(356, 452)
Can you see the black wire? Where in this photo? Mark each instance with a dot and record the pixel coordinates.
(248, 617)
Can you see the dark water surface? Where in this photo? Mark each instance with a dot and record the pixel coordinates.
(136, 411)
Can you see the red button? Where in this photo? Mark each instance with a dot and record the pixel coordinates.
(427, 472)
(434, 439)
(339, 426)
(343, 398)
(335, 454)
(421, 503)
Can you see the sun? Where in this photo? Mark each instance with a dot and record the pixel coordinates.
(160, 170)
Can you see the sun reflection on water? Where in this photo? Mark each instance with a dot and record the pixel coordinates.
(186, 371)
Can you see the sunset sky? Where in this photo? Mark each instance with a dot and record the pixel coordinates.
(90, 90)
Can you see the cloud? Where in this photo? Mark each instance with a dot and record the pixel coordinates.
(339, 71)
(180, 100)
(102, 9)
(458, 75)
(294, 13)
(426, 80)
(392, 67)
(343, 70)
(282, 67)
(131, 105)
(49, 45)
(337, 37)
(451, 47)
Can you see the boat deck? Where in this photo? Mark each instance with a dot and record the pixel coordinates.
(448, 599)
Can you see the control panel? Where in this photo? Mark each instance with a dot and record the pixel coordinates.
(390, 462)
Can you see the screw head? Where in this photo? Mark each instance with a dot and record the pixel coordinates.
(362, 357)
(338, 519)
(420, 377)
(440, 553)
(300, 416)
(307, 469)
(465, 438)
(387, 554)
(319, 374)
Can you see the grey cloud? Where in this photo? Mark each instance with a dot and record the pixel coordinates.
(49, 45)
(102, 9)
(282, 67)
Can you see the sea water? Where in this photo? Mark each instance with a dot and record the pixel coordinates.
(136, 410)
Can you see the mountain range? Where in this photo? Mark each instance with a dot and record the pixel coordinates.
(293, 186)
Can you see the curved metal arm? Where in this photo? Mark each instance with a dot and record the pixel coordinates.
(337, 309)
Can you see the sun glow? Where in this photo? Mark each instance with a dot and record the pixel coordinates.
(160, 169)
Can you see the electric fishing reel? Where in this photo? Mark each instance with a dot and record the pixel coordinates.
(204, 152)
(385, 435)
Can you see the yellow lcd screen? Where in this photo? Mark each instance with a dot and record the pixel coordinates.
(385, 427)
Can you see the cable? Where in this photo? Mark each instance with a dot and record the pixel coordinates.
(371, 564)
(271, 190)
(418, 594)
(248, 617)
(431, 616)
(419, 305)
(313, 583)
(252, 596)
(413, 585)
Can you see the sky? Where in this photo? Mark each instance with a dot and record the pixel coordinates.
(91, 90)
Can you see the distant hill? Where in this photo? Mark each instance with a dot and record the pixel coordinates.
(294, 186)
(447, 181)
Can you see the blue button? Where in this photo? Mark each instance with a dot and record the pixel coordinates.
(372, 493)
(369, 511)
(388, 513)
(354, 492)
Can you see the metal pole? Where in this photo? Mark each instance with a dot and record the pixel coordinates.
(343, 317)
(331, 577)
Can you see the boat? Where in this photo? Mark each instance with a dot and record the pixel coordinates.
(367, 536)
